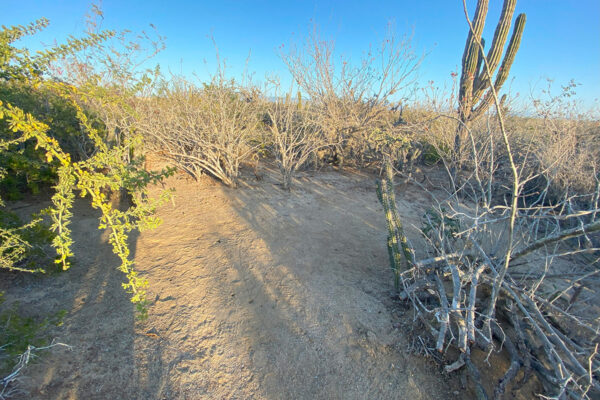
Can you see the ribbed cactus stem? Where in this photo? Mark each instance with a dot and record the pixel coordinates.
(509, 58)
(471, 55)
(474, 79)
(397, 243)
(475, 96)
(478, 73)
(392, 242)
(495, 52)
(409, 254)
(511, 52)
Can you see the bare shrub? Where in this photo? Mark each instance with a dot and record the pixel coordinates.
(207, 129)
(533, 293)
(109, 79)
(353, 100)
(293, 132)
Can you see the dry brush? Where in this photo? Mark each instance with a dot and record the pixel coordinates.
(206, 129)
(513, 273)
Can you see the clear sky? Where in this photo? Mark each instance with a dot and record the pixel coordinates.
(561, 39)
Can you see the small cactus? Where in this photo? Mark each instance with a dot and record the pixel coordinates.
(397, 244)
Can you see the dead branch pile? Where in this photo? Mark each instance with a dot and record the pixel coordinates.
(519, 275)
(7, 383)
(542, 310)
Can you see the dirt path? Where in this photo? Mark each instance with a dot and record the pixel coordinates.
(256, 293)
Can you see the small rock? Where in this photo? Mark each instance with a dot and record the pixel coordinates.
(371, 336)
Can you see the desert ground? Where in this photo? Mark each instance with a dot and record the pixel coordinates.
(255, 293)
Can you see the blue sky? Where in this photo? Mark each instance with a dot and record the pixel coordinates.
(561, 39)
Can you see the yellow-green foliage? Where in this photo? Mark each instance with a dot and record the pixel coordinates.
(110, 168)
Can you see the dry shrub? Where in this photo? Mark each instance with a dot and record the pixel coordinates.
(354, 101)
(203, 129)
(530, 291)
(292, 130)
(562, 143)
(109, 79)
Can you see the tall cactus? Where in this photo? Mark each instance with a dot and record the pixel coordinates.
(475, 94)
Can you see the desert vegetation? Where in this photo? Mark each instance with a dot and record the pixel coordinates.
(506, 260)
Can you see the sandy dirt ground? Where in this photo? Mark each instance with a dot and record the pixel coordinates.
(255, 292)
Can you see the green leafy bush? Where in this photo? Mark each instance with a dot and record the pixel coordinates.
(69, 139)
(23, 247)
(26, 168)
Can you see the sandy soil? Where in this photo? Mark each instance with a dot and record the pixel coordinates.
(256, 293)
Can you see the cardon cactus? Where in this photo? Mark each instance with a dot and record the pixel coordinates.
(475, 95)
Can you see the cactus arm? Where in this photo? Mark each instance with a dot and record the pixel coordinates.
(478, 73)
(471, 56)
(509, 58)
(495, 52)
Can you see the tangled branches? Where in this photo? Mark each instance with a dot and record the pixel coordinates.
(507, 273)
(7, 382)
(543, 311)
(203, 130)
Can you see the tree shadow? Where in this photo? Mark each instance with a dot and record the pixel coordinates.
(271, 294)
(99, 325)
(255, 292)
